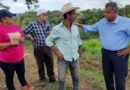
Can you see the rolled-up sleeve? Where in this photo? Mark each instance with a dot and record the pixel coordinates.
(50, 40)
(90, 28)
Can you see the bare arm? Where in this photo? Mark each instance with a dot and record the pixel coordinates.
(57, 53)
(79, 25)
(14, 43)
(4, 45)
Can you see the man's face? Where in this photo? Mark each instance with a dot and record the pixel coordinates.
(43, 17)
(72, 16)
(110, 14)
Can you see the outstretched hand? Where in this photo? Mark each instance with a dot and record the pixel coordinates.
(78, 24)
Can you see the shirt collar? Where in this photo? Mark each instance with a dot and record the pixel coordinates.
(41, 23)
(61, 24)
(116, 21)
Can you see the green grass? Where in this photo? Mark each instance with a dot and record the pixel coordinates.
(92, 46)
(90, 66)
(28, 44)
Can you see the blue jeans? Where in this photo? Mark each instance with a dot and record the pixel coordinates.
(74, 70)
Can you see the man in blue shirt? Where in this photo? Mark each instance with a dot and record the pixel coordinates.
(114, 34)
(37, 32)
(66, 37)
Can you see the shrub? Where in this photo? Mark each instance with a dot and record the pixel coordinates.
(92, 46)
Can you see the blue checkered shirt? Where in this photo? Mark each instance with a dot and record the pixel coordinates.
(38, 31)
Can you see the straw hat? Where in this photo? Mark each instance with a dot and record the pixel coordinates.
(67, 8)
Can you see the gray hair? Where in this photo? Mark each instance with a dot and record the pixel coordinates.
(113, 5)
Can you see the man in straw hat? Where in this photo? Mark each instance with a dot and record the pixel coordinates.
(66, 37)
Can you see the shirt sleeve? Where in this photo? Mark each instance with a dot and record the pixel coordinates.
(28, 30)
(49, 27)
(90, 28)
(128, 30)
(50, 40)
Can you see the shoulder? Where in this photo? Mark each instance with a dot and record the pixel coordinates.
(124, 20)
(57, 27)
(121, 18)
(15, 26)
(102, 20)
(33, 23)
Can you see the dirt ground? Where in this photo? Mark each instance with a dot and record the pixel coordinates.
(32, 75)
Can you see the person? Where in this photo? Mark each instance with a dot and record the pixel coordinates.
(66, 37)
(37, 32)
(114, 34)
(11, 51)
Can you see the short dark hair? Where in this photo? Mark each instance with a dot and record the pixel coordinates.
(65, 15)
(113, 5)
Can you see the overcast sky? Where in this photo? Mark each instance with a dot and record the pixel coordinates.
(20, 7)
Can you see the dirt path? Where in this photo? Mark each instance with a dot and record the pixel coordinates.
(32, 76)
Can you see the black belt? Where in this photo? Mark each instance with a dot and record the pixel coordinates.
(112, 50)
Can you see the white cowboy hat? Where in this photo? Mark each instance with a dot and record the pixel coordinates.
(68, 7)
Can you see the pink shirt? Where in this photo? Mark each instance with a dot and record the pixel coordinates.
(12, 53)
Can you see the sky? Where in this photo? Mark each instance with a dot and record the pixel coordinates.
(20, 6)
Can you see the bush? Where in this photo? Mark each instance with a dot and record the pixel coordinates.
(92, 46)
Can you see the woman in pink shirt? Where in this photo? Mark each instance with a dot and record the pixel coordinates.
(11, 51)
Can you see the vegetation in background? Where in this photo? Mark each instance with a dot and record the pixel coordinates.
(92, 46)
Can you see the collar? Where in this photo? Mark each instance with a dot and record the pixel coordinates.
(61, 24)
(42, 23)
(116, 21)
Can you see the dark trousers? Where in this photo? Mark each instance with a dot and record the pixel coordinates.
(9, 69)
(115, 69)
(44, 58)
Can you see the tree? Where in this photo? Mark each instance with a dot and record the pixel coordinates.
(3, 6)
(29, 3)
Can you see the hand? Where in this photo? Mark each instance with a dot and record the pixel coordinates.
(59, 55)
(79, 25)
(124, 52)
(31, 38)
(14, 43)
(80, 51)
(47, 32)
(21, 39)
